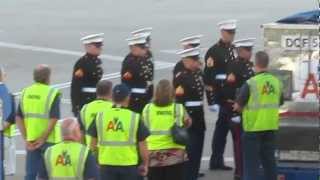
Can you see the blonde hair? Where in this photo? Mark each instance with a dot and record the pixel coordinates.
(164, 93)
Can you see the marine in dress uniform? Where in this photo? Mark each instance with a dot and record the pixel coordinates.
(189, 89)
(186, 43)
(147, 32)
(86, 73)
(238, 72)
(137, 72)
(216, 61)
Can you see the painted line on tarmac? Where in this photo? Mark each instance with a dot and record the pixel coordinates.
(174, 51)
(60, 51)
(226, 159)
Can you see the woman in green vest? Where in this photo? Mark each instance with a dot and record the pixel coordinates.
(166, 157)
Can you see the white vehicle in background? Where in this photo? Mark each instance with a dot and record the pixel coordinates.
(293, 45)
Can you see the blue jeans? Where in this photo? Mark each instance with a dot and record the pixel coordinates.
(259, 148)
(33, 160)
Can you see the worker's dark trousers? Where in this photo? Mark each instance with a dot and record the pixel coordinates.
(33, 159)
(236, 131)
(173, 172)
(118, 173)
(194, 150)
(219, 139)
(259, 147)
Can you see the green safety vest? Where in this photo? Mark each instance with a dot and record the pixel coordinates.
(66, 160)
(35, 105)
(160, 120)
(262, 110)
(88, 114)
(117, 137)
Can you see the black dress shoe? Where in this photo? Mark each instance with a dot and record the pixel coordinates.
(237, 177)
(221, 167)
(201, 175)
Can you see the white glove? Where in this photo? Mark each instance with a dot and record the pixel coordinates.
(214, 108)
(236, 119)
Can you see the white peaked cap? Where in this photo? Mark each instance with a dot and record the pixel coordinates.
(249, 42)
(189, 52)
(191, 40)
(137, 39)
(93, 38)
(147, 31)
(230, 24)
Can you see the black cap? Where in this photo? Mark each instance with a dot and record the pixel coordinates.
(120, 92)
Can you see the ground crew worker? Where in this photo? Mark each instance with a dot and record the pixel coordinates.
(216, 61)
(189, 89)
(137, 72)
(166, 157)
(86, 73)
(8, 114)
(120, 136)
(186, 43)
(90, 110)
(37, 115)
(259, 100)
(238, 72)
(69, 159)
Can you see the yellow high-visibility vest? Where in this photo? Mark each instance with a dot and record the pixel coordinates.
(262, 111)
(66, 160)
(117, 137)
(160, 120)
(89, 112)
(36, 102)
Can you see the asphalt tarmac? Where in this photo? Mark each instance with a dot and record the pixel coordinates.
(42, 31)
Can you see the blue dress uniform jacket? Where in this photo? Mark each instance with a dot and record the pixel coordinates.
(217, 59)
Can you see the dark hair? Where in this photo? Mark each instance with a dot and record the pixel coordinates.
(262, 59)
(41, 74)
(164, 93)
(104, 88)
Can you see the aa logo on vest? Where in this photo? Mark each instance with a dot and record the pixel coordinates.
(268, 89)
(115, 125)
(64, 159)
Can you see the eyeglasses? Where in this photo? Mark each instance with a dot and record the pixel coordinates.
(230, 31)
(97, 45)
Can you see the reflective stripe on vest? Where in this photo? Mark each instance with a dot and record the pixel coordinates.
(129, 142)
(256, 105)
(90, 110)
(117, 131)
(160, 120)
(262, 110)
(178, 115)
(35, 105)
(75, 170)
(46, 114)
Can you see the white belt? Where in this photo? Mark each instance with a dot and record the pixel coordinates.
(221, 76)
(138, 90)
(193, 103)
(89, 90)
